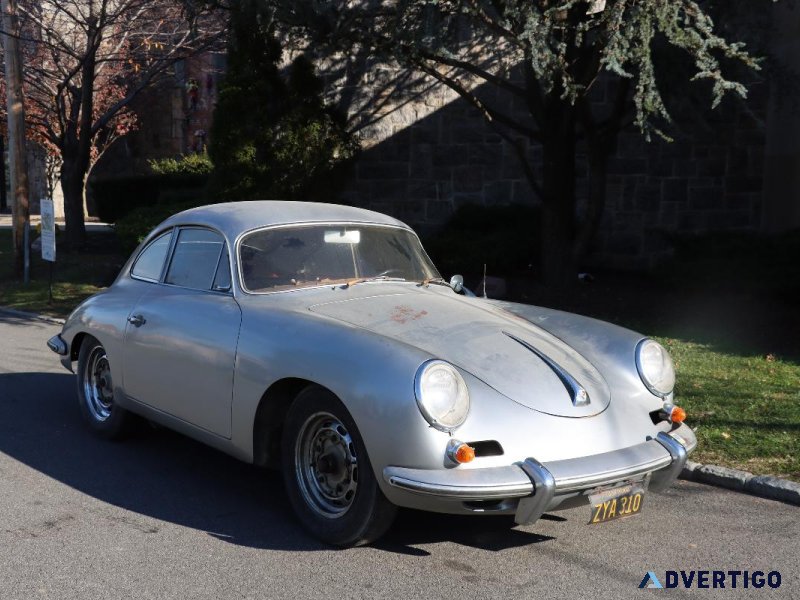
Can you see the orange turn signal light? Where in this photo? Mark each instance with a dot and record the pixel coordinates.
(677, 415)
(464, 454)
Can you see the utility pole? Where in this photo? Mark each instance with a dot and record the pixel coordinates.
(3, 202)
(17, 153)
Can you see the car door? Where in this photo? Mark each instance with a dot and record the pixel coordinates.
(180, 339)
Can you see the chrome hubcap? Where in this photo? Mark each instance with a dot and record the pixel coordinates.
(97, 385)
(326, 465)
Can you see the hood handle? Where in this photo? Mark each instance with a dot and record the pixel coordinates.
(577, 393)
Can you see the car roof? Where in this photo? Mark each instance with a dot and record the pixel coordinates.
(234, 218)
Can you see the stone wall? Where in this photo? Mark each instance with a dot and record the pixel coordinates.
(709, 179)
(431, 153)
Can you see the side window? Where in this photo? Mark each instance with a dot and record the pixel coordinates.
(194, 261)
(151, 260)
(222, 280)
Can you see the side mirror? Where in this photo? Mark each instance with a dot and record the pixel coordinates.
(457, 283)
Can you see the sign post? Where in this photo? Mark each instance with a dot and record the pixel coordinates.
(48, 238)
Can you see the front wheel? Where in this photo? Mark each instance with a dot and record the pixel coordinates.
(327, 473)
(96, 392)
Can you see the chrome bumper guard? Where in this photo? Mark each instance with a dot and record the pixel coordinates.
(537, 484)
(57, 345)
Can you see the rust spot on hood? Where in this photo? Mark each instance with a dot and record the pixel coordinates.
(403, 314)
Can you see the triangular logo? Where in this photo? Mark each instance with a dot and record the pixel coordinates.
(650, 581)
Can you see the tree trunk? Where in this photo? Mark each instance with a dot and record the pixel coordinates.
(77, 146)
(601, 139)
(558, 191)
(73, 185)
(596, 203)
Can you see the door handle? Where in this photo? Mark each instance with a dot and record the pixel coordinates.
(136, 320)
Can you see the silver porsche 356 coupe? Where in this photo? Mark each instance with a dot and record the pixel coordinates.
(321, 339)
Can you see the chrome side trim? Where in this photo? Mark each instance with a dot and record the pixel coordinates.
(57, 345)
(462, 484)
(666, 477)
(531, 508)
(579, 396)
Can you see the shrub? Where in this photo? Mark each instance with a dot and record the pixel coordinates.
(273, 137)
(728, 260)
(134, 226)
(116, 197)
(188, 164)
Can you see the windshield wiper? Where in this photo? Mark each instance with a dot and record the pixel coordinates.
(347, 284)
(436, 280)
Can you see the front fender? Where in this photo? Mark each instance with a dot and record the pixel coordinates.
(104, 316)
(372, 375)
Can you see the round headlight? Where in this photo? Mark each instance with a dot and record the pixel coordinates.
(655, 367)
(442, 395)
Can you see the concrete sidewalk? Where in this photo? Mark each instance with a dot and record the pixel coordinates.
(91, 226)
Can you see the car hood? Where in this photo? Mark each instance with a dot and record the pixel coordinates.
(518, 359)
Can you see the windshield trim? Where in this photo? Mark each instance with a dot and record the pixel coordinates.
(241, 236)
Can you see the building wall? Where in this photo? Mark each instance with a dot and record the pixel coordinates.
(167, 119)
(431, 153)
(782, 182)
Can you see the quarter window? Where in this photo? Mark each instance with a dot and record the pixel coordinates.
(151, 260)
(195, 259)
(222, 280)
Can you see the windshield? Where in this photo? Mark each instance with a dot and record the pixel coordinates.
(304, 256)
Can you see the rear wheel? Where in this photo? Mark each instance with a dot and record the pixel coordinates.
(96, 392)
(328, 476)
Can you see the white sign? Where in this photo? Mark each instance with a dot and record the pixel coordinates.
(48, 230)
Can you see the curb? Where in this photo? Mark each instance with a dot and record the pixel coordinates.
(29, 315)
(763, 486)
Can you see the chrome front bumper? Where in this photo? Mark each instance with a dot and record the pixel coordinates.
(539, 486)
(60, 347)
(57, 345)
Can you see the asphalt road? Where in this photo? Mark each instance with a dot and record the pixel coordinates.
(161, 516)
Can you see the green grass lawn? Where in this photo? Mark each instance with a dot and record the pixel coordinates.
(75, 277)
(743, 401)
(744, 409)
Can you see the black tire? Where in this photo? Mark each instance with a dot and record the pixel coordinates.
(95, 393)
(333, 490)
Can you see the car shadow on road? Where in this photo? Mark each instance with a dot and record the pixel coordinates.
(166, 476)
(491, 533)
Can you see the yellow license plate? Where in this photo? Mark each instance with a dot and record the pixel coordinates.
(615, 503)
